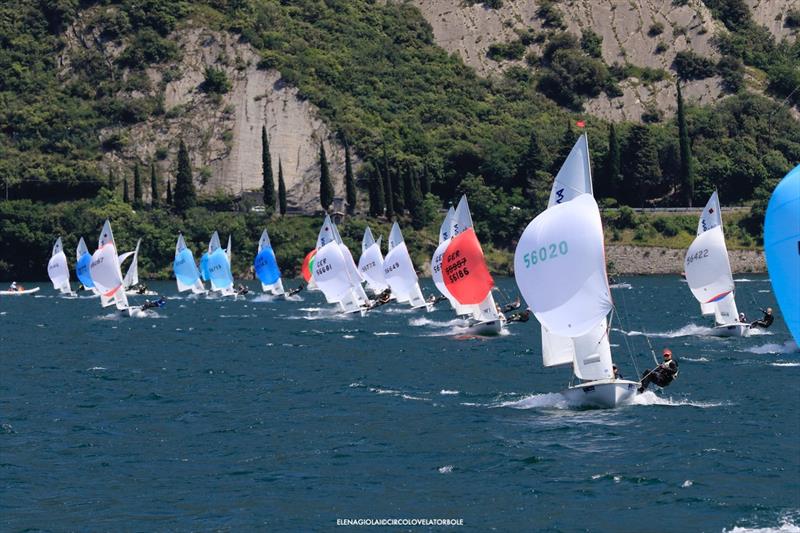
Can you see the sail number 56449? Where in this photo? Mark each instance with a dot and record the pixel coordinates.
(544, 253)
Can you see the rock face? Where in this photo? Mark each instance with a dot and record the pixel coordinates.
(223, 132)
(772, 14)
(631, 32)
(627, 260)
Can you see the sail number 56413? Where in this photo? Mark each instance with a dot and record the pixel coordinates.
(544, 253)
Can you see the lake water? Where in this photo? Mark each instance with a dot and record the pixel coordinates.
(275, 415)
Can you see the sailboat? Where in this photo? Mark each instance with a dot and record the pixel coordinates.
(83, 260)
(370, 264)
(219, 267)
(400, 273)
(107, 274)
(332, 273)
(466, 275)
(560, 269)
(131, 278)
(186, 273)
(58, 270)
(708, 273)
(782, 248)
(445, 236)
(266, 267)
(356, 279)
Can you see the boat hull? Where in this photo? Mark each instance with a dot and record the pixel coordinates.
(19, 293)
(607, 393)
(731, 330)
(486, 328)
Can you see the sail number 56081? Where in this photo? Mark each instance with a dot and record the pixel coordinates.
(544, 253)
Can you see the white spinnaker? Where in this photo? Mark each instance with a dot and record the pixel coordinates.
(575, 176)
(58, 270)
(399, 270)
(560, 268)
(132, 275)
(708, 273)
(370, 264)
(105, 271)
(330, 273)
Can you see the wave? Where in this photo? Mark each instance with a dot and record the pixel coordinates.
(620, 286)
(446, 469)
(787, 347)
(648, 398)
(445, 392)
(788, 523)
(785, 364)
(548, 400)
(264, 298)
(685, 331)
(693, 360)
(425, 321)
(385, 333)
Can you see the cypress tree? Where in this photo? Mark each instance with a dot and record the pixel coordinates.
(112, 183)
(154, 196)
(641, 167)
(531, 162)
(266, 168)
(612, 164)
(137, 188)
(349, 180)
(325, 185)
(408, 186)
(425, 180)
(415, 207)
(281, 189)
(398, 197)
(565, 146)
(377, 203)
(169, 192)
(185, 196)
(125, 197)
(387, 186)
(686, 168)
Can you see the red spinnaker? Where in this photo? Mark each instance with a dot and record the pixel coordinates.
(308, 263)
(464, 269)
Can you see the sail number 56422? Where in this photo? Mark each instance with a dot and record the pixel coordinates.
(545, 253)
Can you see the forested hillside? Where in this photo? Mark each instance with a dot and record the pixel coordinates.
(72, 117)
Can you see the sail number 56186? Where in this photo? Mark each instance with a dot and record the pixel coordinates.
(544, 253)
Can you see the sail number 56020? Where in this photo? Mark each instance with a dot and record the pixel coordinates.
(544, 253)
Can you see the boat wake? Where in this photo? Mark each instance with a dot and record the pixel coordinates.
(548, 400)
(787, 347)
(685, 331)
(648, 398)
(264, 298)
(788, 523)
(621, 286)
(390, 392)
(782, 363)
(693, 360)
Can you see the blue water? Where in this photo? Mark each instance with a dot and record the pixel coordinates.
(273, 415)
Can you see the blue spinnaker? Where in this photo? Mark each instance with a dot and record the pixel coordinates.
(220, 270)
(782, 248)
(185, 269)
(267, 266)
(82, 270)
(204, 274)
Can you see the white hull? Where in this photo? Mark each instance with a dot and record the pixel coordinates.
(137, 293)
(486, 328)
(19, 293)
(606, 393)
(731, 330)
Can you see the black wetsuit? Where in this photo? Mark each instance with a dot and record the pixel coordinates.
(662, 375)
(524, 316)
(295, 291)
(765, 321)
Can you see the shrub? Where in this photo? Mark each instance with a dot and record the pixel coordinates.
(216, 81)
(504, 51)
(657, 28)
(666, 226)
(691, 66)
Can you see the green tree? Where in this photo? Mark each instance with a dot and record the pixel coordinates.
(419, 215)
(325, 184)
(398, 196)
(686, 167)
(612, 166)
(125, 197)
(185, 196)
(155, 198)
(349, 180)
(564, 147)
(387, 186)
(641, 167)
(266, 169)
(281, 189)
(377, 198)
(169, 192)
(425, 179)
(409, 178)
(137, 188)
(529, 164)
(112, 182)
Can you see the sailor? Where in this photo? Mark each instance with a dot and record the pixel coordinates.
(617, 373)
(149, 304)
(241, 290)
(141, 288)
(663, 374)
(765, 321)
(742, 318)
(433, 299)
(295, 291)
(512, 305)
(522, 316)
(13, 286)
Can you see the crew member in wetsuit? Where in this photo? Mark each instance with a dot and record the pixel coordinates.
(433, 299)
(742, 318)
(765, 321)
(511, 306)
(149, 304)
(522, 316)
(663, 374)
(141, 288)
(241, 290)
(617, 373)
(295, 291)
(382, 299)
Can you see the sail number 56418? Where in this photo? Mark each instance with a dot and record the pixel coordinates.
(544, 253)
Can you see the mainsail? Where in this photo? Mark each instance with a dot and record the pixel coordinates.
(708, 270)
(331, 270)
(370, 264)
(399, 271)
(132, 275)
(58, 270)
(266, 266)
(186, 273)
(782, 248)
(105, 271)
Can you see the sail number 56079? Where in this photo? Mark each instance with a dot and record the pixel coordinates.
(544, 253)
